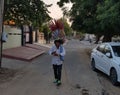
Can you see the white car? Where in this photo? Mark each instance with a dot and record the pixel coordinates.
(106, 58)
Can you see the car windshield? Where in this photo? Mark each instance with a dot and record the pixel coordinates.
(116, 50)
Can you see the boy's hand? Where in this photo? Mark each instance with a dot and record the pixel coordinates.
(55, 54)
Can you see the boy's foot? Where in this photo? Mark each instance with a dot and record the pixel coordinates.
(58, 83)
(55, 81)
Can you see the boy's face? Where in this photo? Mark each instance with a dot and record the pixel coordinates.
(57, 44)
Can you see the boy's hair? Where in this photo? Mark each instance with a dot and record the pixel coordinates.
(61, 41)
(58, 41)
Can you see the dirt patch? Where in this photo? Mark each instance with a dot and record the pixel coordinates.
(88, 51)
(85, 92)
(7, 74)
(104, 92)
(77, 86)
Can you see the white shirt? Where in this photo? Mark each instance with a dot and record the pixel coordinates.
(56, 59)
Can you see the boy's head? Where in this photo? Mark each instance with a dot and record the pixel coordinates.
(57, 43)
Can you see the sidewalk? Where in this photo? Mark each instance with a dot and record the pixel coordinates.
(25, 53)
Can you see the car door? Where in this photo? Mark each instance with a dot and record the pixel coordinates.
(106, 60)
(99, 58)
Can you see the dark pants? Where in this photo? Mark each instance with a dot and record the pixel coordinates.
(57, 71)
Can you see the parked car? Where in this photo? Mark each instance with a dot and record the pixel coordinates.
(106, 58)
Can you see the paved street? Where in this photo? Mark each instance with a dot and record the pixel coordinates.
(36, 77)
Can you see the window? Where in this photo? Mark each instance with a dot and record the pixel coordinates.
(101, 48)
(116, 50)
(107, 49)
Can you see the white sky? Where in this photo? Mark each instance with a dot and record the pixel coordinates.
(54, 9)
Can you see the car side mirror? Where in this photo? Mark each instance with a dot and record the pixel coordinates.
(108, 54)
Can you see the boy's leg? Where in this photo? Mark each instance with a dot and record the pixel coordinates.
(55, 72)
(59, 73)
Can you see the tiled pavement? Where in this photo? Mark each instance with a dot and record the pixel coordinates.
(25, 53)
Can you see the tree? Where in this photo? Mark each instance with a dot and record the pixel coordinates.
(108, 15)
(83, 15)
(65, 12)
(46, 31)
(67, 28)
(101, 17)
(26, 11)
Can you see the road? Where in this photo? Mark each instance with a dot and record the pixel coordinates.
(36, 77)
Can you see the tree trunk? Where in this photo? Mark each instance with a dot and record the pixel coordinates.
(107, 38)
(98, 36)
(1, 27)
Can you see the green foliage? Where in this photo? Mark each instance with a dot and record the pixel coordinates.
(83, 15)
(46, 31)
(61, 3)
(67, 28)
(26, 11)
(95, 16)
(108, 15)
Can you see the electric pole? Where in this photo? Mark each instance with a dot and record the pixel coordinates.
(1, 27)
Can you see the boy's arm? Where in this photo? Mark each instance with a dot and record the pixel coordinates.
(63, 52)
(51, 51)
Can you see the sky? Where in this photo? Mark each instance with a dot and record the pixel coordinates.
(56, 12)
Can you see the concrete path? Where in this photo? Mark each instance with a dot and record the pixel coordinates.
(36, 77)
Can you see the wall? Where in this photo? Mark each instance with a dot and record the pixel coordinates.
(40, 37)
(14, 37)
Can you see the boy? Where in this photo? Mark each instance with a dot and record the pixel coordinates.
(58, 52)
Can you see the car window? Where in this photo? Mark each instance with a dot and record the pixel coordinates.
(107, 49)
(116, 50)
(101, 48)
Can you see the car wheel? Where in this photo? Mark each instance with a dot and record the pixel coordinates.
(113, 77)
(93, 65)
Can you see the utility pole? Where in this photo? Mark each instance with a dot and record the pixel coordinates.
(1, 27)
